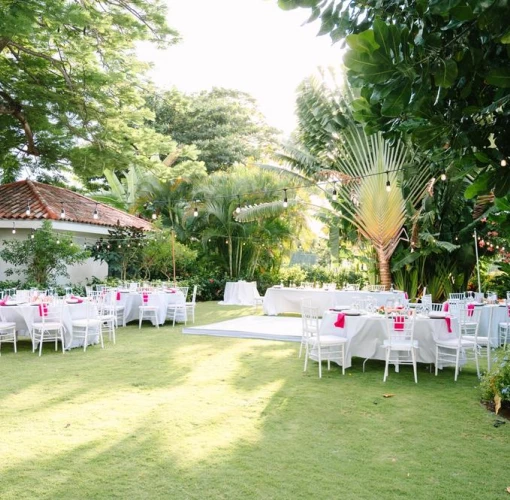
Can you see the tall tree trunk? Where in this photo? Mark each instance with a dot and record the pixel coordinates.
(384, 269)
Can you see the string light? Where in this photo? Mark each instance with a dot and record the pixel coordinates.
(96, 214)
(503, 162)
(388, 185)
(27, 211)
(335, 194)
(443, 176)
(195, 212)
(13, 228)
(285, 201)
(62, 211)
(32, 233)
(154, 215)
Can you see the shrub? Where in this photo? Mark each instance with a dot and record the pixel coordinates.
(495, 385)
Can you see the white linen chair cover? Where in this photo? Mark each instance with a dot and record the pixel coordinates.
(400, 331)
(321, 347)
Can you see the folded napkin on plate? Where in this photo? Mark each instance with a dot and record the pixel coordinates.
(340, 320)
(448, 323)
(79, 300)
(43, 310)
(398, 322)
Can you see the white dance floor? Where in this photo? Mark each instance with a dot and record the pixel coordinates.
(252, 327)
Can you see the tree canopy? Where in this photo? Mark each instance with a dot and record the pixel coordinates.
(70, 92)
(225, 125)
(439, 71)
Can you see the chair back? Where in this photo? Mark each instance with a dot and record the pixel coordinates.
(352, 287)
(310, 321)
(194, 295)
(456, 296)
(455, 307)
(50, 312)
(184, 291)
(400, 326)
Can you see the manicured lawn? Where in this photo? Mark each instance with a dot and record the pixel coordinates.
(166, 415)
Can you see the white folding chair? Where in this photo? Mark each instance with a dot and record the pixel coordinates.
(400, 341)
(450, 348)
(7, 332)
(89, 326)
(49, 326)
(148, 310)
(321, 347)
(190, 306)
(504, 328)
(456, 296)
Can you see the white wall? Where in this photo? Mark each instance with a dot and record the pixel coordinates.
(77, 273)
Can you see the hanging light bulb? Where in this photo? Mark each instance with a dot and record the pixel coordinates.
(388, 184)
(119, 246)
(503, 163)
(238, 209)
(154, 215)
(285, 201)
(13, 228)
(96, 214)
(335, 194)
(62, 211)
(32, 234)
(195, 212)
(443, 176)
(58, 240)
(27, 211)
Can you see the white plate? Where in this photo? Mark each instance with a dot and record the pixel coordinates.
(350, 312)
(340, 308)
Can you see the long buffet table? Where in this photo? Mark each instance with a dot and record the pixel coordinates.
(280, 300)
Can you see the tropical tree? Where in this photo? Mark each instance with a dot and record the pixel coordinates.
(225, 125)
(70, 92)
(241, 247)
(43, 256)
(438, 71)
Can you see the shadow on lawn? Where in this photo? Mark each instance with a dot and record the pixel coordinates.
(212, 417)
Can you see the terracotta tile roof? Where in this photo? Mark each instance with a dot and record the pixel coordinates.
(46, 202)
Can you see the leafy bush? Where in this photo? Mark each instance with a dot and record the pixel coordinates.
(495, 385)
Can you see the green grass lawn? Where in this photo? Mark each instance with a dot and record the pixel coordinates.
(166, 415)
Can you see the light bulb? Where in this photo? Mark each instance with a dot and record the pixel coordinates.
(503, 163)
(443, 176)
(388, 186)
(154, 216)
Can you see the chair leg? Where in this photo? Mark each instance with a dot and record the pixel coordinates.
(437, 359)
(457, 359)
(306, 358)
(476, 361)
(343, 359)
(386, 367)
(320, 359)
(413, 355)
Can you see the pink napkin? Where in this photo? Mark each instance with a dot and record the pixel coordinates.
(448, 323)
(470, 309)
(43, 310)
(118, 296)
(78, 299)
(446, 307)
(340, 320)
(398, 322)
(3, 302)
(406, 296)
(145, 297)
(508, 310)
(172, 290)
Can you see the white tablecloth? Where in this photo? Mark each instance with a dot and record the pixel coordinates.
(241, 293)
(133, 300)
(365, 335)
(288, 300)
(25, 315)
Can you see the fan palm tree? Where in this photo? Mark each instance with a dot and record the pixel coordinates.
(353, 170)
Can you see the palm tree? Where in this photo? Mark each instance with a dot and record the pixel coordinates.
(352, 169)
